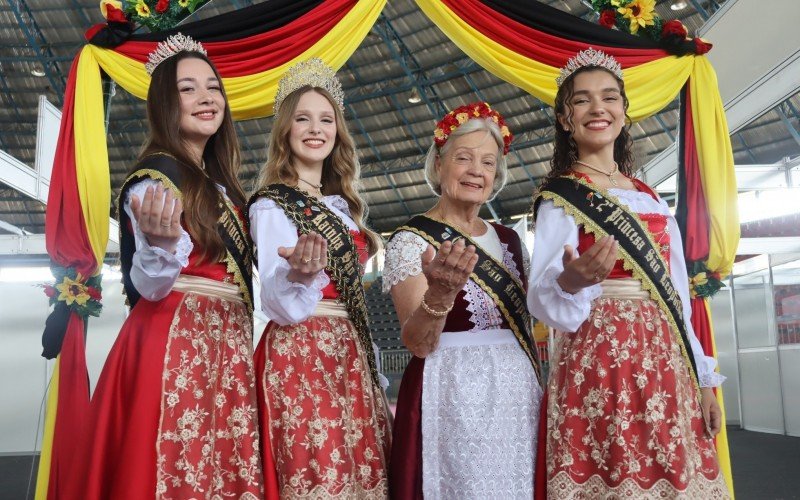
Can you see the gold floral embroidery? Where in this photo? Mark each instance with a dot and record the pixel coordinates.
(328, 426)
(208, 439)
(622, 415)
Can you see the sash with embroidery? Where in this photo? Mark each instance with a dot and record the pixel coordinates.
(232, 230)
(602, 214)
(492, 276)
(309, 214)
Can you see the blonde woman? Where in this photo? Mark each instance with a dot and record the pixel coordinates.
(323, 419)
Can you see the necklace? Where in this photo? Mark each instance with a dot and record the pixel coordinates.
(610, 175)
(440, 215)
(316, 187)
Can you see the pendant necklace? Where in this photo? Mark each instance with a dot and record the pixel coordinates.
(610, 175)
(316, 187)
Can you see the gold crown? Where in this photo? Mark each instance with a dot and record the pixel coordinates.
(589, 57)
(312, 73)
(170, 47)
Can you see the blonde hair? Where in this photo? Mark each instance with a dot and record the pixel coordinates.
(341, 170)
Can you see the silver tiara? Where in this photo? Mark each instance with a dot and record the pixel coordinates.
(311, 73)
(589, 57)
(170, 47)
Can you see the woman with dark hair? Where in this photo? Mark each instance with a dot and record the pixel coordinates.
(631, 411)
(323, 419)
(174, 414)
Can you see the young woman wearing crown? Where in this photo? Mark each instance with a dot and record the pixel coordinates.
(631, 411)
(174, 414)
(322, 408)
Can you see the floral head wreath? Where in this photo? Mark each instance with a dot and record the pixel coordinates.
(170, 47)
(589, 58)
(462, 115)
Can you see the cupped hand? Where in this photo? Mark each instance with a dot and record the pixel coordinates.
(590, 268)
(307, 258)
(447, 270)
(159, 217)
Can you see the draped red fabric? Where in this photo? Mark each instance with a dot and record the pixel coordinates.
(265, 51)
(542, 47)
(701, 324)
(73, 405)
(695, 237)
(68, 245)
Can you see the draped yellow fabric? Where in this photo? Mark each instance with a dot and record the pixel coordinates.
(91, 154)
(253, 96)
(716, 167)
(43, 475)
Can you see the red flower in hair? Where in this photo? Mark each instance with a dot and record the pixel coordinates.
(608, 18)
(674, 28)
(162, 6)
(701, 46)
(463, 114)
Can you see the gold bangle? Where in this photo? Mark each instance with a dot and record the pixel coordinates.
(433, 312)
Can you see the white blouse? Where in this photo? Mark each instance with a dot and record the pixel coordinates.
(404, 259)
(566, 312)
(284, 301)
(154, 270)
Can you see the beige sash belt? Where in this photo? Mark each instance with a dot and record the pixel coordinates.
(206, 286)
(328, 307)
(624, 288)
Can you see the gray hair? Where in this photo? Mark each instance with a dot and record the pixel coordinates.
(473, 125)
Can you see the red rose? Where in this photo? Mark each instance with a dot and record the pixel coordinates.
(674, 28)
(93, 292)
(162, 6)
(608, 18)
(307, 211)
(115, 15)
(50, 291)
(701, 47)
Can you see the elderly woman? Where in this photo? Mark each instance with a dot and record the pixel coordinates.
(469, 401)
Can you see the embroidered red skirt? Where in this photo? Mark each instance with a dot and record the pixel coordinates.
(175, 411)
(623, 415)
(327, 423)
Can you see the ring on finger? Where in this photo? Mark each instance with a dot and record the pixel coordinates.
(166, 225)
(316, 258)
(306, 261)
(597, 278)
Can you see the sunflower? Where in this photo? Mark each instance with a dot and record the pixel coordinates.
(639, 12)
(183, 3)
(142, 9)
(73, 291)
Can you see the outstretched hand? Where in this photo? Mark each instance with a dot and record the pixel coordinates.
(159, 217)
(590, 268)
(307, 258)
(448, 269)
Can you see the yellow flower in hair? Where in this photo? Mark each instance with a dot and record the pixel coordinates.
(453, 127)
(462, 118)
(495, 119)
(639, 12)
(142, 9)
(104, 6)
(183, 3)
(438, 133)
(505, 131)
(73, 291)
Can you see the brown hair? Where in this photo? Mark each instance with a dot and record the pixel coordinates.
(565, 150)
(201, 197)
(340, 170)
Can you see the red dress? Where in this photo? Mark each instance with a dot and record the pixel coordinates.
(174, 414)
(325, 419)
(623, 416)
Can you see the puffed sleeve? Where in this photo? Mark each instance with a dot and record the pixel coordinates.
(547, 302)
(283, 301)
(403, 258)
(153, 269)
(706, 365)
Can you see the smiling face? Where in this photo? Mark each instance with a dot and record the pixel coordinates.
(313, 130)
(467, 167)
(597, 111)
(202, 101)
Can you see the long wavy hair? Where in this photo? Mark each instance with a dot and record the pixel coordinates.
(201, 197)
(341, 170)
(565, 150)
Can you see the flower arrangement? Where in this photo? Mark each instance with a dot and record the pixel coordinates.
(637, 17)
(157, 15)
(82, 296)
(702, 282)
(462, 114)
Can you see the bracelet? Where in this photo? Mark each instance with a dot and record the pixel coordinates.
(433, 312)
